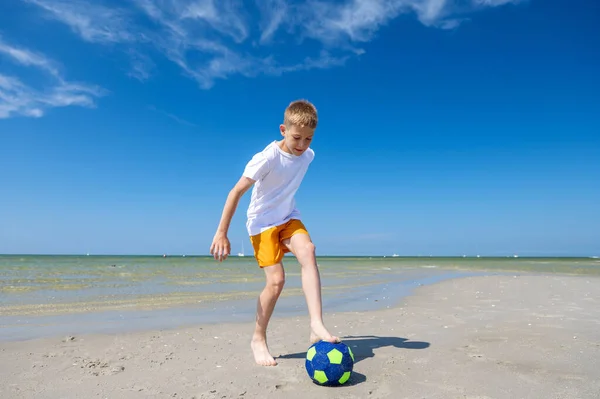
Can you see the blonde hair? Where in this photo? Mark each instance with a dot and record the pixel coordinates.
(301, 113)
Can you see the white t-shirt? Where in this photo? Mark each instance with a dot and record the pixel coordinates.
(278, 176)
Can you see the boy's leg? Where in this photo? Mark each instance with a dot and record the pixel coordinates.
(275, 277)
(303, 248)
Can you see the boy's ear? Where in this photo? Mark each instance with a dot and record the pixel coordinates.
(282, 129)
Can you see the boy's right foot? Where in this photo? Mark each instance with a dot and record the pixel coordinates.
(318, 332)
(262, 356)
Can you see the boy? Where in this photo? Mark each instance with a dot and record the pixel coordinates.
(274, 223)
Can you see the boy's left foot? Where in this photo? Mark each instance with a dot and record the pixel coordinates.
(318, 332)
(262, 356)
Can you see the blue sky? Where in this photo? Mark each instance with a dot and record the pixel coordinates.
(446, 128)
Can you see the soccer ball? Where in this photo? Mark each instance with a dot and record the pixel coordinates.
(329, 364)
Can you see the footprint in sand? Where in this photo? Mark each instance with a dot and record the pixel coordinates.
(476, 355)
(98, 367)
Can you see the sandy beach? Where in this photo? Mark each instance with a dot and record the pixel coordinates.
(475, 337)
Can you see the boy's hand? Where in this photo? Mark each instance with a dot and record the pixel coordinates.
(220, 247)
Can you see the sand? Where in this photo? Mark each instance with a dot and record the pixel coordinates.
(477, 337)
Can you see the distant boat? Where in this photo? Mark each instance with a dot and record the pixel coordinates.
(395, 255)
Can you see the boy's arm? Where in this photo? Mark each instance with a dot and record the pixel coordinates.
(221, 247)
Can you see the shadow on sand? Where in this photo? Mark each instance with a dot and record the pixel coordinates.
(363, 347)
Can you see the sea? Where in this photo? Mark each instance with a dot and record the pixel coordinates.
(51, 295)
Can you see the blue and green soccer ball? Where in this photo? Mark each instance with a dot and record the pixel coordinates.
(329, 364)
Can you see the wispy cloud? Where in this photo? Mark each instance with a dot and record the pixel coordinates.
(495, 3)
(215, 39)
(142, 65)
(92, 21)
(357, 21)
(171, 116)
(273, 14)
(28, 58)
(19, 98)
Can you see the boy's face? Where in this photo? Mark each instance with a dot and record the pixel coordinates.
(296, 139)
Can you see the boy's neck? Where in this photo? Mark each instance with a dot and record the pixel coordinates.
(281, 144)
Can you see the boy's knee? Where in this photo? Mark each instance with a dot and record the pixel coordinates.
(307, 248)
(276, 282)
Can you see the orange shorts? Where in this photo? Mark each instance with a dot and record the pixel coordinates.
(268, 247)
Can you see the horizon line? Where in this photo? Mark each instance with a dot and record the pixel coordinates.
(478, 256)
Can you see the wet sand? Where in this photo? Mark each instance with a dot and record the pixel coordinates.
(474, 337)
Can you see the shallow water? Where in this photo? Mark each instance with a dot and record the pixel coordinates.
(75, 294)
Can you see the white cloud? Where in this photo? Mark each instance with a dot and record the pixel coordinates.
(172, 116)
(28, 58)
(355, 20)
(92, 21)
(18, 98)
(142, 65)
(494, 3)
(351, 21)
(214, 39)
(273, 14)
(225, 16)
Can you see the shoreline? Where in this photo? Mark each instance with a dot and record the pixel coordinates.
(82, 320)
(500, 336)
(166, 312)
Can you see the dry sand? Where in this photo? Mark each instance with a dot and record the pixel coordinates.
(481, 337)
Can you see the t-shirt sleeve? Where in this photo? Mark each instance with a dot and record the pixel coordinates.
(311, 154)
(257, 167)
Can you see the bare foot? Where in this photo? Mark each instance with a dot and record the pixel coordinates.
(319, 333)
(313, 337)
(261, 352)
